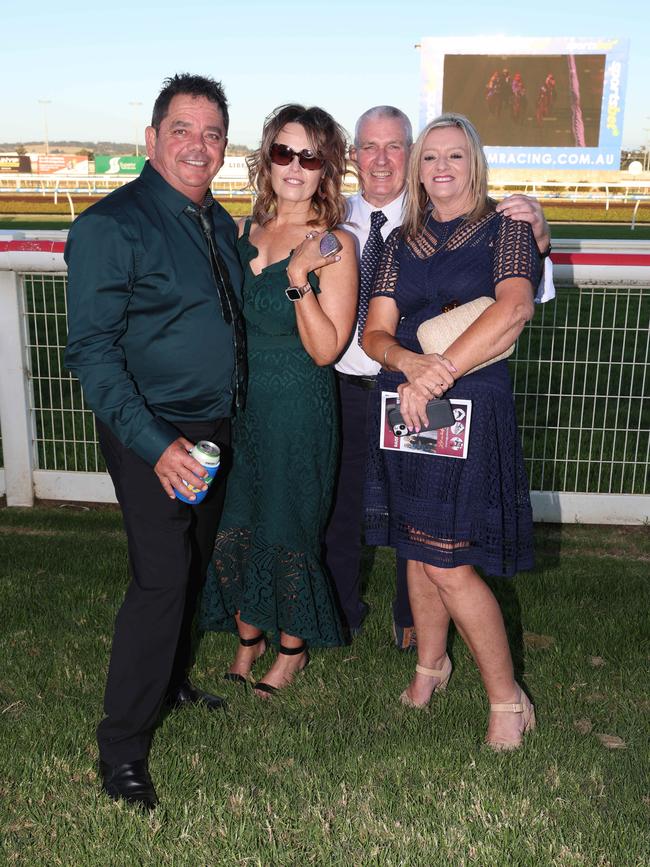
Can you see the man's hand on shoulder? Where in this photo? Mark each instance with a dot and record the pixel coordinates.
(528, 209)
(175, 465)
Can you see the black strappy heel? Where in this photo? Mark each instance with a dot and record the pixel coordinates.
(288, 651)
(233, 676)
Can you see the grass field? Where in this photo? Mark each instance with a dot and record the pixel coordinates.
(335, 771)
(567, 220)
(59, 218)
(605, 231)
(601, 231)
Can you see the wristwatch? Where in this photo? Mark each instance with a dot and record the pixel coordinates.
(295, 293)
(546, 252)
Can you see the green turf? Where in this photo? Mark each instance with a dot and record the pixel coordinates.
(601, 231)
(34, 221)
(614, 231)
(236, 208)
(335, 771)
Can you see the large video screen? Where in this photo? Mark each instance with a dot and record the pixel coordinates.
(539, 103)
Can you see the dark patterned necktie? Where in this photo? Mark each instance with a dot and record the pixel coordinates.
(227, 297)
(370, 257)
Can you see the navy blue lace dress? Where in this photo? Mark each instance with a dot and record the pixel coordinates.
(439, 510)
(268, 559)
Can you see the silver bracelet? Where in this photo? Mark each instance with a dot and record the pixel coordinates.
(390, 346)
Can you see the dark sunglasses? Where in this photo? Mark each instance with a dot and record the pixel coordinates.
(282, 155)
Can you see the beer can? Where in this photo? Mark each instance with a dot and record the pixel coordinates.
(209, 456)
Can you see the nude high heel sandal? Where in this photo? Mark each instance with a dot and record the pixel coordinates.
(527, 711)
(443, 674)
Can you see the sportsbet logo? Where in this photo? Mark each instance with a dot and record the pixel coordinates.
(126, 165)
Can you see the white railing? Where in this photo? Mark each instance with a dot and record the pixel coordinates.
(92, 185)
(599, 191)
(581, 376)
(622, 189)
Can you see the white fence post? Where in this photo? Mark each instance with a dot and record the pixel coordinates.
(16, 420)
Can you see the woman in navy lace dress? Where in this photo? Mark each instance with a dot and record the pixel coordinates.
(450, 516)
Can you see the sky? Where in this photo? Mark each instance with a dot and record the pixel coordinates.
(92, 60)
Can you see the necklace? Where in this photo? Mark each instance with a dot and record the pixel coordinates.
(440, 246)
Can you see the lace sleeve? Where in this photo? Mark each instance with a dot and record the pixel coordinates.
(516, 252)
(388, 268)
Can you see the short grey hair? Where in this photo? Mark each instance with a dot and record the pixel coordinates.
(388, 111)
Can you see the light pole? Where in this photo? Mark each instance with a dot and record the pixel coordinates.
(45, 103)
(136, 113)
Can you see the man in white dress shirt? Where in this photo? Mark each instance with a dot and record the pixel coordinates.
(382, 143)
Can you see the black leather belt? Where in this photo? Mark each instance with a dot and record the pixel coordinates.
(360, 381)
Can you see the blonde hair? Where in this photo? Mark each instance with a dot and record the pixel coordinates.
(327, 140)
(417, 200)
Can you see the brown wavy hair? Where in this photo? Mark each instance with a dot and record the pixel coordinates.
(327, 139)
(417, 202)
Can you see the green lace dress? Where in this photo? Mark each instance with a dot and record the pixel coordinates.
(268, 561)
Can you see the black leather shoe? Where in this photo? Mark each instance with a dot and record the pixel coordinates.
(355, 631)
(187, 695)
(130, 781)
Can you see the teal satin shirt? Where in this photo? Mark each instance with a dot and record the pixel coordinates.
(146, 337)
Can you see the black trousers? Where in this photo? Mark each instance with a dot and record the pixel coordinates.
(169, 544)
(343, 535)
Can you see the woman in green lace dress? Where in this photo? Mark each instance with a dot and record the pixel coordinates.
(269, 578)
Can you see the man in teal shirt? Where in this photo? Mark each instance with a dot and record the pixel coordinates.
(156, 340)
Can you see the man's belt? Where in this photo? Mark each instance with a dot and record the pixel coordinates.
(360, 381)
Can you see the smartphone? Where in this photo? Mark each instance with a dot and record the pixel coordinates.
(439, 413)
(329, 244)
